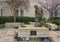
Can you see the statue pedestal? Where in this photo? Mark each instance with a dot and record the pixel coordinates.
(39, 31)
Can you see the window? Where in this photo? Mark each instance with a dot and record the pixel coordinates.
(33, 33)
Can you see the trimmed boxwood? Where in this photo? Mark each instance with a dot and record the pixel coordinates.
(56, 20)
(18, 19)
(2, 26)
(5, 19)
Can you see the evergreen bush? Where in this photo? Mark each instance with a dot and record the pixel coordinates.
(26, 20)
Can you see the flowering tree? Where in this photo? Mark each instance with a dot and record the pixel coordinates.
(15, 4)
(50, 5)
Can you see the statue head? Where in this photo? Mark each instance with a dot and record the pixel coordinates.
(36, 6)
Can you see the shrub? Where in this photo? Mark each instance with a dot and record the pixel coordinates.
(44, 24)
(26, 20)
(5, 19)
(2, 26)
(18, 19)
(56, 20)
(44, 19)
(58, 26)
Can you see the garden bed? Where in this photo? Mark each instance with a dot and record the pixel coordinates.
(2, 26)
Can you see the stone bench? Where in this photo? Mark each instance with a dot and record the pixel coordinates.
(32, 23)
(52, 26)
(12, 25)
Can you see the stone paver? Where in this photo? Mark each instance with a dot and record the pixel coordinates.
(7, 35)
(7, 39)
(55, 36)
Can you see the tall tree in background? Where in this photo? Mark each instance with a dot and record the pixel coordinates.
(15, 4)
(50, 5)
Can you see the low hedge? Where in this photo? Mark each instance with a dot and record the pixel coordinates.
(2, 26)
(5, 19)
(18, 19)
(26, 20)
(56, 20)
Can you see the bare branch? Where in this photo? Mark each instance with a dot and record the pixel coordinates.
(15, 4)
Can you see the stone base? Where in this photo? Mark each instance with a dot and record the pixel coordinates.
(40, 31)
(12, 25)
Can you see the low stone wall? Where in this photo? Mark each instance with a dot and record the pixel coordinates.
(52, 26)
(32, 23)
(12, 25)
(40, 31)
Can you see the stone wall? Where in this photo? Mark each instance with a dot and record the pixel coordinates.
(40, 32)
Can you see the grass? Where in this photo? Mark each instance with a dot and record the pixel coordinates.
(2, 26)
(58, 29)
(58, 26)
(44, 24)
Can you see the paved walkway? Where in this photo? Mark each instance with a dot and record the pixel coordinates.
(54, 35)
(7, 35)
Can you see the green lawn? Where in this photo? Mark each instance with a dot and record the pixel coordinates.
(44, 24)
(2, 26)
(58, 26)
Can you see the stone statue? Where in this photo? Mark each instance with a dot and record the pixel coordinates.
(38, 16)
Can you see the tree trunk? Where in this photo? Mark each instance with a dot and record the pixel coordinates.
(55, 13)
(21, 15)
(51, 16)
(14, 13)
(1, 12)
(14, 16)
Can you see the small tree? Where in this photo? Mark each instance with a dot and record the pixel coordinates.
(15, 4)
(50, 5)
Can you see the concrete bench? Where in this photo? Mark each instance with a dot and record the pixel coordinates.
(12, 25)
(52, 26)
(32, 23)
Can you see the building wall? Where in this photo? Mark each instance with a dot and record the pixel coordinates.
(5, 10)
(31, 13)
